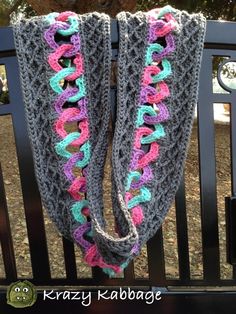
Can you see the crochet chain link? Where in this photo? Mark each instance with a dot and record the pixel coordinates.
(66, 24)
(67, 61)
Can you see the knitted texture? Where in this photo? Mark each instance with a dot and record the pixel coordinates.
(65, 62)
(174, 43)
(68, 25)
(46, 117)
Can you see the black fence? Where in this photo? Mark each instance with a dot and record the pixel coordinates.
(178, 294)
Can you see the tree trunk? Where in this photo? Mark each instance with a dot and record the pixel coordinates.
(111, 7)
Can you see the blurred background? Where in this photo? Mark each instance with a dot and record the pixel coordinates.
(212, 9)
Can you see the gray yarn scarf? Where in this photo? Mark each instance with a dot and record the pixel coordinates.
(142, 190)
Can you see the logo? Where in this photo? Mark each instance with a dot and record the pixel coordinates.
(21, 294)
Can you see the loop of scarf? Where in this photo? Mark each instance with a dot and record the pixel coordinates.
(158, 76)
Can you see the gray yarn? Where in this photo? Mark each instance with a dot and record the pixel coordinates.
(168, 168)
(38, 96)
(32, 52)
(183, 85)
(38, 99)
(115, 250)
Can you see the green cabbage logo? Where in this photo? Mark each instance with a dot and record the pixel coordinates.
(21, 294)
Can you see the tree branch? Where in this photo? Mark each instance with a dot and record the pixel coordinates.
(111, 7)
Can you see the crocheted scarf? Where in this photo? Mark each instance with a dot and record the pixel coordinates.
(65, 64)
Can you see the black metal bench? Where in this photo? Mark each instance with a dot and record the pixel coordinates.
(178, 295)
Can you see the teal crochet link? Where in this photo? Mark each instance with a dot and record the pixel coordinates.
(61, 75)
(150, 50)
(76, 210)
(144, 196)
(86, 150)
(60, 148)
(158, 133)
(111, 273)
(158, 75)
(50, 18)
(81, 93)
(58, 77)
(142, 111)
(165, 10)
(74, 27)
(132, 175)
(164, 73)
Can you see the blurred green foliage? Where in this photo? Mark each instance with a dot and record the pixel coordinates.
(10, 9)
(212, 9)
(4, 97)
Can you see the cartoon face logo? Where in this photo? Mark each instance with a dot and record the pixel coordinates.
(21, 294)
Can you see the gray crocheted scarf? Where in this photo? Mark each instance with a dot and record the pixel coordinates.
(65, 63)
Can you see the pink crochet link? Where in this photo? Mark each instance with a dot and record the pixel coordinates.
(150, 156)
(148, 72)
(152, 95)
(53, 60)
(93, 258)
(76, 188)
(63, 16)
(136, 212)
(83, 126)
(140, 132)
(70, 56)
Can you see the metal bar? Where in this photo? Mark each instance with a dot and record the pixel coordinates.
(6, 237)
(99, 276)
(156, 260)
(230, 211)
(69, 258)
(129, 273)
(30, 193)
(221, 98)
(218, 33)
(7, 40)
(110, 282)
(206, 140)
(113, 106)
(114, 32)
(231, 218)
(182, 233)
(5, 109)
(233, 143)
